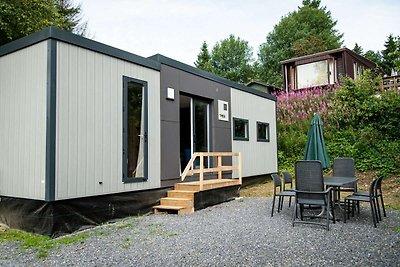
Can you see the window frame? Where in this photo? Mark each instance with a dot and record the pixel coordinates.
(301, 71)
(125, 178)
(267, 133)
(239, 138)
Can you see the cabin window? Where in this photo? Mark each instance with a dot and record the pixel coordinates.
(262, 132)
(240, 129)
(314, 74)
(357, 69)
(135, 130)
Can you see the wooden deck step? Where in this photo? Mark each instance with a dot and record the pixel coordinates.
(181, 194)
(176, 201)
(179, 209)
(207, 184)
(187, 187)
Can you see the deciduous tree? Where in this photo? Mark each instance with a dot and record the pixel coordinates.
(374, 56)
(19, 18)
(230, 58)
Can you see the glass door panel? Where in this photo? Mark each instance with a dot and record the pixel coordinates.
(194, 129)
(135, 131)
(200, 127)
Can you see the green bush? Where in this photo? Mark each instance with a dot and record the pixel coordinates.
(360, 121)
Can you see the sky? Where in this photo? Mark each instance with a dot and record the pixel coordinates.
(177, 28)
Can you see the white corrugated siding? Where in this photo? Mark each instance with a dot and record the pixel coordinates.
(257, 157)
(89, 123)
(23, 122)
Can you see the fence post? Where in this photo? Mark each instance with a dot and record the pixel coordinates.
(201, 170)
(219, 167)
(240, 167)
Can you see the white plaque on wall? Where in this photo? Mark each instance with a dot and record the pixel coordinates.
(223, 110)
(170, 93)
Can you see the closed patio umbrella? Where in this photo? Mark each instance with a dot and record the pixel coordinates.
(315, 147)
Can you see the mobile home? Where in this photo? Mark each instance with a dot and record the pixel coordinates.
(92, 132)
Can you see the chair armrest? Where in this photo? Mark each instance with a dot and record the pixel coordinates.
(314, 192)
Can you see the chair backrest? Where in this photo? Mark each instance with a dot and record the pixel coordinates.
(372, 188)
(343, 167)
(277, 180)
(378, 188)
(309, 178)
(287, 179)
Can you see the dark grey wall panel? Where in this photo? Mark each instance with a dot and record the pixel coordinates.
(169, 108)
(196, 86)
(166, 61)
(223, 141)
(169, 150)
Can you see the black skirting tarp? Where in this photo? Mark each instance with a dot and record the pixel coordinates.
(254, 180)
(66, 216)
(212, 197)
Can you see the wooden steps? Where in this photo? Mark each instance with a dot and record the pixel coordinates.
(179, 209)
(181, 199)
(207, 184)
(181, 194)
(177, 201)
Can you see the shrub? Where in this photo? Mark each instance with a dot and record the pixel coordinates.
(360, 121)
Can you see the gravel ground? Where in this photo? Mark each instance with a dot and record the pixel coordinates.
(236, 233)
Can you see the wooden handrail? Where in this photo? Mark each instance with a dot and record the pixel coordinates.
(219, 169)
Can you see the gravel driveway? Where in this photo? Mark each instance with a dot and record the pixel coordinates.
(236, 233)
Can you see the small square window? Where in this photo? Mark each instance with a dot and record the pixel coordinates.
(240, 129)
(262, 132)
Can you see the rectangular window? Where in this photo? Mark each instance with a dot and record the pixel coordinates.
(262, 131)
(357, 69)
(240, 129)
(312, 74)
(135, 130)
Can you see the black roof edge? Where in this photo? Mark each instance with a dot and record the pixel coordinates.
(204, 74)
(332, 51)
(70, 38)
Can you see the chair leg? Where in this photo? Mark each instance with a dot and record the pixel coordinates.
(273, 206)
(294, 212)
(373, 213)
(290, 200)
(301, 211)
(327, 214)
(353, 207)
(376, 202)
(383, 206)
(280, 203)
(344, 210)
(333, 211)
(348, 209)
(376, 208)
